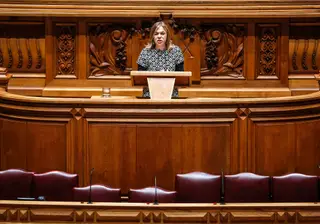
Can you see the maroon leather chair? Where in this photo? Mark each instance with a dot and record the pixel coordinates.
(55, 185)
(198, 187)
(99, 193)
(246, 187)
(295, 187)
(148, 195)
(15, 183)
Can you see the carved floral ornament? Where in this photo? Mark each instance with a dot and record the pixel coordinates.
(66, 51)
(224, 51)
(108, 54)
(223, 48)
(268, 52)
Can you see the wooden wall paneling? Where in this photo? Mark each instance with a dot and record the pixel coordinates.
(308, 147)
(73, 149)
(159, 153)
(251, 165)
(82, 50)
(250, 49)
(242, 135)
(50, 50)
(78, 144)
(13, 142)
(84, 158)
(47, 146)
(283, 56)
(274, 148)
(112, 153)
(163, 150)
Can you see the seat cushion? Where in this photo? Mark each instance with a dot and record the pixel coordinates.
(99, 193)
(148, 195)
(198, 187)
(55, 185)
(246, 187)
(15, 183)
(295, 187)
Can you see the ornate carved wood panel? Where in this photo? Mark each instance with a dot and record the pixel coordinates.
(268, 51)
(21, 51)
(108, 45)
(223, 50)
(304, 53)
(66, 54)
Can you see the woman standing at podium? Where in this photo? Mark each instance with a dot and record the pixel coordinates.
(160, 54)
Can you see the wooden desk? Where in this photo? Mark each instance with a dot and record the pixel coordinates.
(129, 141)
(76, 212)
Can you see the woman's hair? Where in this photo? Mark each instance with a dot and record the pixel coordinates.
(155, 26)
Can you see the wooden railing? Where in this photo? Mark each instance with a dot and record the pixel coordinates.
(76, 212)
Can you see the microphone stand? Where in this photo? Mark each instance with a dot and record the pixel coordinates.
(155, 192)
(90, 199)
(222, 202)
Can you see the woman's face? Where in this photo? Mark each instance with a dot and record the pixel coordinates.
(160, 38)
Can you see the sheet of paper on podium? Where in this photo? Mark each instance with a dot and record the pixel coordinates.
(160, 84)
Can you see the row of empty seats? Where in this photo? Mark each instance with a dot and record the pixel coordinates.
(195, 187)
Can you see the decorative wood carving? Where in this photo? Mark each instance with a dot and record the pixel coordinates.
(74, 212)
(187, 31)
(66, 51)
(108, 55)
(22, 52)
(304, 49)
(224, 51)
(268, 52)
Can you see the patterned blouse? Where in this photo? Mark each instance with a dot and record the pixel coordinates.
(160, 60)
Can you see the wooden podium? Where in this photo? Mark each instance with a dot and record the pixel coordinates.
(160, 83)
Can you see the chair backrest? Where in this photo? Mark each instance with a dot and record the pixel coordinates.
(295, 187)
(246, 187)
(148, 195)
(198, 187)
(55, 185)
(99, 193)
(15, 183)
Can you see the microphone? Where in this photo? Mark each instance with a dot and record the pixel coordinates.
(222, 188)
(155, 192)
(40, 198)
(90, 199)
